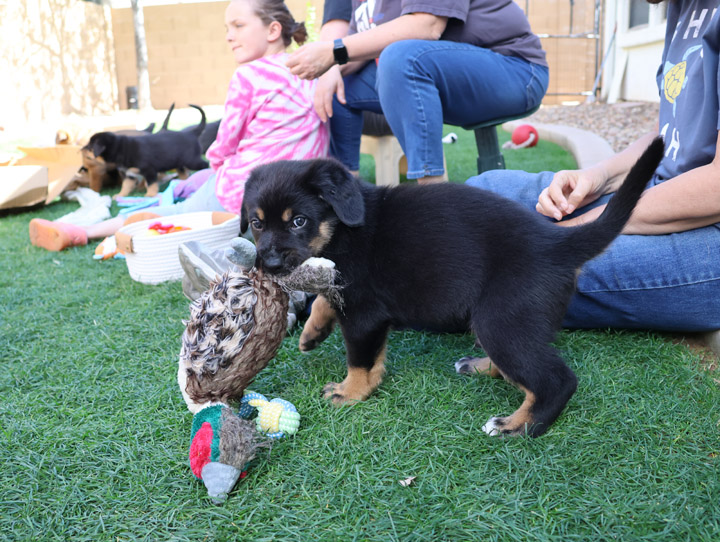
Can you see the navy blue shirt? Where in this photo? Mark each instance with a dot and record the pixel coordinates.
(688, 80)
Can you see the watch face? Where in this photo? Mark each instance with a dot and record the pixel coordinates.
(340, 52)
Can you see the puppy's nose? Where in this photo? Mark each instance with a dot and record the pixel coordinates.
(272, 261)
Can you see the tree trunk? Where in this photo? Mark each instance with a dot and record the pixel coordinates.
(143, 77)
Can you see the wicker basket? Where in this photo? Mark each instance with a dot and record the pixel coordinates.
(154, 259)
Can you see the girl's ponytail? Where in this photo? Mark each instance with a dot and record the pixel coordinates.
(299, 33)
(276, 10)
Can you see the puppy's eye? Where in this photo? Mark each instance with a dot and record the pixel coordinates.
(256, 224)
(298, 222)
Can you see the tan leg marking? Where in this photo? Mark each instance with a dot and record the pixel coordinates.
(517, 423)
(128, 185)
(97, 175)
(152, 189)
(318, 326)
(358, 384)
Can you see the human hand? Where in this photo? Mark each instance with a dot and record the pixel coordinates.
(311, 60)
(584, 218)
(570, 190)
(328, 85)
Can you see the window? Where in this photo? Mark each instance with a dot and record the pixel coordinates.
(644, 14)
(639, 13)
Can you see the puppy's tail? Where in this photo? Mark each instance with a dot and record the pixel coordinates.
(587, 241)
(200, 127)
(164, 126)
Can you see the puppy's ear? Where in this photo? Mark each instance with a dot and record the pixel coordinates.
(97, 144)
(340, 189)
(244, 223)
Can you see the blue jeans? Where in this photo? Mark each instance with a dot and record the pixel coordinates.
(419, 85)
(664, 282)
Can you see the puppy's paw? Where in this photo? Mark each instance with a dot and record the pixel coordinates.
(333, 392)
(501, 427)
(312, 336)
(471, 365)
(318, 326)
(152, 190)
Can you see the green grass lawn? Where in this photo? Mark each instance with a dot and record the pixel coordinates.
(95, 434)
(461, 157)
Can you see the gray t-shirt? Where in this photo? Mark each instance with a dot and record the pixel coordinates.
(498, 25)
(688, 83)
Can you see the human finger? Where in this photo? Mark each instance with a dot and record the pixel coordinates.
(340, 91)
(546, 206)
(319, 105)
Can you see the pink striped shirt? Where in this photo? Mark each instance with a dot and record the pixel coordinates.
(269, 116)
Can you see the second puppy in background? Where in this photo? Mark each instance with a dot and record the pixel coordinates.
(150, 154)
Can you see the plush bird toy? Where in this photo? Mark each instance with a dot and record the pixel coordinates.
(236, 327)
(222, 445)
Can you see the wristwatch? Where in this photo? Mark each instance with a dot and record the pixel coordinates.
(340, 52)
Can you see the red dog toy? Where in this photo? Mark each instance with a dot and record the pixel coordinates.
(523, 136)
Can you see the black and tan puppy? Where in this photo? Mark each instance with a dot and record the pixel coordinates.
(101, 174)
(152, 153)
(443, 257)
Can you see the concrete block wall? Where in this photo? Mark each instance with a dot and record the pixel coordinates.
(188, 58)
(571, 60)
(38, 82)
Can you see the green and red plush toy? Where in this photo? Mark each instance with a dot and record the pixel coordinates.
(223, 443)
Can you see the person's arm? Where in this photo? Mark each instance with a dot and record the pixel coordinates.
(572, 189)
(314, 59)
(333, 29)
(685, 202)
(330, 83)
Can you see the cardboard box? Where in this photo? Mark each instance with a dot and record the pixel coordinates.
(62, 162)
(22, 186)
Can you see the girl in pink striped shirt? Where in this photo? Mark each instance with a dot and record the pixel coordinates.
(269, 115)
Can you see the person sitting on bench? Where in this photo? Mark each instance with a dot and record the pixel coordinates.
(448, 62)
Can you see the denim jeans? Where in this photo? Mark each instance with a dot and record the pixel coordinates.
(664, 282)
(419, 85)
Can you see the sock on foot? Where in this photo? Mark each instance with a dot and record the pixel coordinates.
(56, 236)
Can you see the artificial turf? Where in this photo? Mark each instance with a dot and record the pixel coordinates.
(94, 434)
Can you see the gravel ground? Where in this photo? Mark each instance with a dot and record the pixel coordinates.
(619, 124)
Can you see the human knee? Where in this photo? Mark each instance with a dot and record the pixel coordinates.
(397, 61)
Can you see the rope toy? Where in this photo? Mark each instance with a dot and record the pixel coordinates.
(523, 136)
(275, 418)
